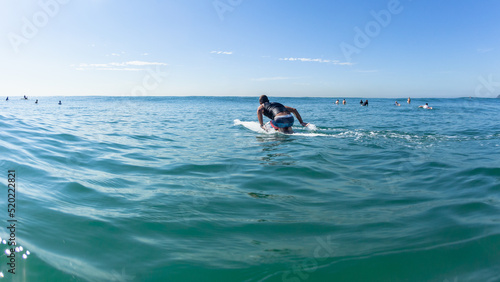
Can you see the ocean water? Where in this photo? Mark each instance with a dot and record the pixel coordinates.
(177, 189)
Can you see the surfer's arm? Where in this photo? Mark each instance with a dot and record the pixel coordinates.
(259, 115)
(297, 115)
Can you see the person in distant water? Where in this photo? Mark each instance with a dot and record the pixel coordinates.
(426, 106)
(36, 102)
(365, 103)
(409, 100)
(397, 104)
(60, 103)
(337, 102)
(7, 99)
(280, 115)
(361, 102)
(25, 97)
(344, 102)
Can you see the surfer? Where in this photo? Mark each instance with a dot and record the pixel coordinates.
(280, 115)
(337, 102)
(60, 103)
(426, 106)
(7, 99)
(361, 102)
(397, 104)
(365, 103)
(409, 100)
(36, 102)
(25, 97)
(344, 102)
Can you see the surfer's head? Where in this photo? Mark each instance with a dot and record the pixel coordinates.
(263, 99)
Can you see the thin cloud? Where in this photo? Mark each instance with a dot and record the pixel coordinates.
(116, 54)
(124, 66)
(335, 62)
(307, 60)
(142, 63)
(221, 52)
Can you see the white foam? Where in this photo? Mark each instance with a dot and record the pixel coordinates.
(311, 127)
(311, 134)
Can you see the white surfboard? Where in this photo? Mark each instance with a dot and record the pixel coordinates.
(268, 129)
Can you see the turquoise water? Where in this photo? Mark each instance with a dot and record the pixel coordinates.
(171, 189)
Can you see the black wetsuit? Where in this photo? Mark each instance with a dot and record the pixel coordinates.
(272, 109)
(282, 121)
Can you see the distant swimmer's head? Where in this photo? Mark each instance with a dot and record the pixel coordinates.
(263, 99)
(427, 104)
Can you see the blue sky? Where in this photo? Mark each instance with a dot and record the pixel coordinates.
(343, 48)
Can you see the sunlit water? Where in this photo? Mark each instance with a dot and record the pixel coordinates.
(176, 189)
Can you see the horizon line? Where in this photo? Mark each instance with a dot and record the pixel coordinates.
(245, 96)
